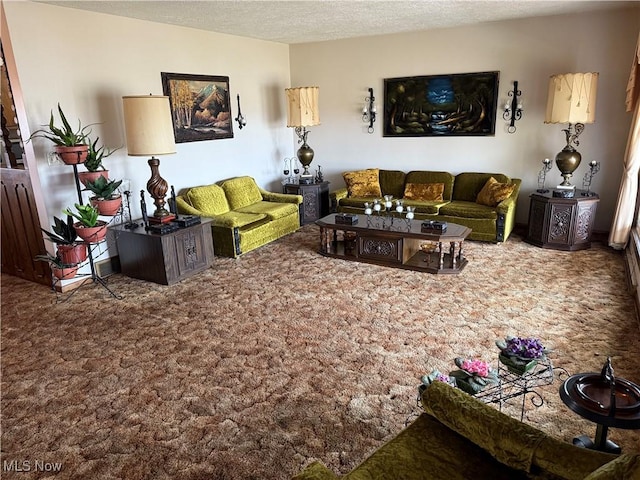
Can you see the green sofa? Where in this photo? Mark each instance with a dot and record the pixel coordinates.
(458, 204)
(459, 437)
(244, 215)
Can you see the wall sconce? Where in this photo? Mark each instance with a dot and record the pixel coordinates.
(369, 110)
(240, 119)
(513, 109)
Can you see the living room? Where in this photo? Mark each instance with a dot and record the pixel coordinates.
(88, 61)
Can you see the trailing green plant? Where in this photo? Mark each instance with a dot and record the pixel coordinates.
(64, 136)
(96, 154)
(102, 188)
(87, 215)
(64, 233)
(54, 261)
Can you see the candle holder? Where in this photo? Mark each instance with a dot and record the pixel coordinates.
(594, 167)
(542, 176)
(383, 212)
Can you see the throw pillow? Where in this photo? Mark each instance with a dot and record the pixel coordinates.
(428, 192)
(363, 183)
(494, 192)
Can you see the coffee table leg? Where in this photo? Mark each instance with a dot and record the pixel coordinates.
(441, 252)
(452, 252)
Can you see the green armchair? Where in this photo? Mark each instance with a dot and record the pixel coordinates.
(459, 437)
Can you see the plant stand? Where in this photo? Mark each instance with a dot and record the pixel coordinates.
(91, 248)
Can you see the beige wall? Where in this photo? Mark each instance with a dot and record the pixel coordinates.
(88, 61)
(528, 51)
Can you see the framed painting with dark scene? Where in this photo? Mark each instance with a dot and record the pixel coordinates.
(200, 106)
(441, 105)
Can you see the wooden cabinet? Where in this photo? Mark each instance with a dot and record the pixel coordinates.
(164, 259)
(561, 223)
(315, 200)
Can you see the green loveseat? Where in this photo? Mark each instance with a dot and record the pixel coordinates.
(244, 215)
(460, 438)
(458, 204)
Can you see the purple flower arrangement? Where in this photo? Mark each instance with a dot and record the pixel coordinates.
(520, 354)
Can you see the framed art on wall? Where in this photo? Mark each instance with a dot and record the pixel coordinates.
(200, 106)
(441, 105)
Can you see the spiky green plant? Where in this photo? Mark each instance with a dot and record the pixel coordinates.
(102, 188)
(63, 136)
(96, 154)
(85, 214)
(64, 233)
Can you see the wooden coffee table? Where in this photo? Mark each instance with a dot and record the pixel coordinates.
(401, 244)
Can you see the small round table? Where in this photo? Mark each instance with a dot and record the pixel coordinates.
(591, 395)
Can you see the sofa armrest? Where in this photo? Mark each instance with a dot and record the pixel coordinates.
(336, 196)
(316, 471)
(510, 202)
(184, 207)
(281, 197)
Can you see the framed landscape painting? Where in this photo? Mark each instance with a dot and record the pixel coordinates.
(441, 105)
(200, 106)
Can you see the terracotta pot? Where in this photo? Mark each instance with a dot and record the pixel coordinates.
(64, 273)
(73, 254)
(72, 155)
(87, 176)
(107, 207)
(92, 234)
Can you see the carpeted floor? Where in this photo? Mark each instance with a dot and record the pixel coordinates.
(259, 365)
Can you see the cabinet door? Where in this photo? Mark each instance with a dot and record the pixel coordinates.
(560, 223)
(387, 250)
(190, 252)
(585, 216)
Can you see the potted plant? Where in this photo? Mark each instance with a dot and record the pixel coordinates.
(59, 269)
(93, 162)
(70, 144)
(520, 354)
(106, 199)
(88, 227)
(473, 375)
(64, 235)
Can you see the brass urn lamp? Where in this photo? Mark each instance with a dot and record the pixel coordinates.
(572, 100)
(303, 112)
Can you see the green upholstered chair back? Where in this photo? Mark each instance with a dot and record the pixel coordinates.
(241, 192)
(392, 182)
(208, 199)
(423, 176)
(467, 185)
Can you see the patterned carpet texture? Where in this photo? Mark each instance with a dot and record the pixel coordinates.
(258, 366)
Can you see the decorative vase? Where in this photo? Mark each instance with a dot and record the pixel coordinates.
(73, 254)
(72, 155)
(92, 234)
(517, 365)
(109, 207)
(64, 273)
(87, 176)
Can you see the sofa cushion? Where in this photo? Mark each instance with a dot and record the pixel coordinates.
(209, 199)
(272, 210)
(392, 182)
(467, 185)
(363, 183)
(625, 466)
(426, 176)
(429, 192)
(241, 191)
(494, 192)
(468, 210)
(237, 219)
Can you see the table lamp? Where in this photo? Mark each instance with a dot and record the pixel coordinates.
(572, 100)
(303, 112)
(149, 131)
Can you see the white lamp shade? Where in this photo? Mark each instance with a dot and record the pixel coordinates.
(148, 125)
(572, 98)
(302, 106)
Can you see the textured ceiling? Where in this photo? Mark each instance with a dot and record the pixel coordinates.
(297, 21)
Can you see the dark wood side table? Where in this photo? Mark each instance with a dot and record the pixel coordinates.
(561, 223)
(164, 259)
(315, 200)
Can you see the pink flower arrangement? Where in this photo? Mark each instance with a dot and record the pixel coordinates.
(476, 367)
